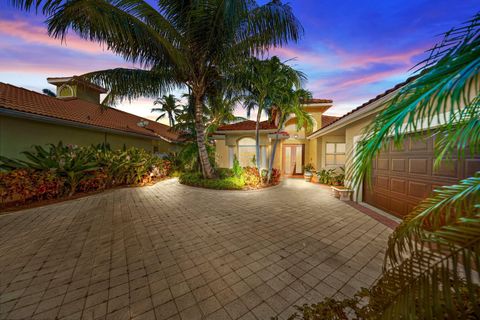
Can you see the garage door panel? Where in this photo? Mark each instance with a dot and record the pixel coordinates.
(398, 148)
(382, 164)
(398, 186)
(399, 165)
(471, 166)
(418, 166)
(418, 145)
(418, 189)
(447, 168)
(382, 182)
(382, 201)
(398, 207)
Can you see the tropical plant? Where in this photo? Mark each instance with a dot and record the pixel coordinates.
(263, 82)
(179, 44)
(68, 161)
(326, 176)
(64, 169)
(431, 268)
(236, 169)
(288, 103)
(220, 107)
(169, 107)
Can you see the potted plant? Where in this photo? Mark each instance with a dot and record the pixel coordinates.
(308, 174)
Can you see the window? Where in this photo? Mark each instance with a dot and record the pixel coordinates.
(335, 154)
(246, 151)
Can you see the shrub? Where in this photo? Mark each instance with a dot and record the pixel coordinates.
(227, 183)
(237, 169)
(65, 169)
(252, 177)
(331, 176)
(96, 180)
(21, 185)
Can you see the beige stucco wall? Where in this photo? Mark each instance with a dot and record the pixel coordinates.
(17, 135)
(221, 154)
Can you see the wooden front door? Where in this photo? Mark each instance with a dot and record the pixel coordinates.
(293, 158)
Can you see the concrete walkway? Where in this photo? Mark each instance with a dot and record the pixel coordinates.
(175, 252)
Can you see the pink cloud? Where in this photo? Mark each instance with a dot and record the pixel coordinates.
(38, 34)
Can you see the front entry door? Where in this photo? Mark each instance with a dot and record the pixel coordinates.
(293, 156)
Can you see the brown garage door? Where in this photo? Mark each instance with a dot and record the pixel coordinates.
(403, 177)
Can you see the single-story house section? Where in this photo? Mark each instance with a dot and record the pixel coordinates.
(76, 117)
(401, 177)
(294, 150)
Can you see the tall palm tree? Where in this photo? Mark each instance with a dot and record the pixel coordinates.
(262, 79)
(180, 43)
(432, 263)
(288, 102)
(169, 108)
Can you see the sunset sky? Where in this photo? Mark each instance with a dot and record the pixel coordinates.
(352, 50)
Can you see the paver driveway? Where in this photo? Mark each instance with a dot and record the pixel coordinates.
(175, 252)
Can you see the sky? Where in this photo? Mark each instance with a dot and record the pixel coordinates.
(351, 50)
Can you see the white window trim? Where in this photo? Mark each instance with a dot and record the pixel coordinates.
(335, 153)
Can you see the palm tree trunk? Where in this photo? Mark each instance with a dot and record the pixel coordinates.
(272, 158)
(207, 170)
(257, 139)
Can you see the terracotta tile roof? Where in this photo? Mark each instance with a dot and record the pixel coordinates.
(247, 125)
(80, 111)
(369, 102)
(314, 100)
(326, 120)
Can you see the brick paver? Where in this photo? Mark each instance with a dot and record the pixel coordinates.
(174, 252)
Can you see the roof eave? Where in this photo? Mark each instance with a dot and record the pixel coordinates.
(70, 123)
(354, 116)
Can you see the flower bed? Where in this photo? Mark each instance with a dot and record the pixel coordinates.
(60, 171)
(230, 179)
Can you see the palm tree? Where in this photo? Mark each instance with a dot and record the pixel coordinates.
(220, 110)
(287, 102)
(181, 43)
(168, 107)
(262, 79)
(432, 263)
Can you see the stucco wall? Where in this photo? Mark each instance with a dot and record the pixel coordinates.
(221, 154)
(351, 131)
(17, 135)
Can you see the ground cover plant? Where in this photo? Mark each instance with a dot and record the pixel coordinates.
(62, 170)
(237, 178)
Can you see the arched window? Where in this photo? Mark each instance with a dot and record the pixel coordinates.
(65, 91)
(246, 151)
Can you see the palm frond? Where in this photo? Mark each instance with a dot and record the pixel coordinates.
(129, 84)
(430, 100)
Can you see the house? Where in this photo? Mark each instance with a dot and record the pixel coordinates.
(294, 150)
(402, 177)
(75, 116)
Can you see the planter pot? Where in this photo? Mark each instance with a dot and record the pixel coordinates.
(308, 176)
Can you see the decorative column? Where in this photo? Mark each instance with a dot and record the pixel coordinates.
(263, 159)
(231, 155)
